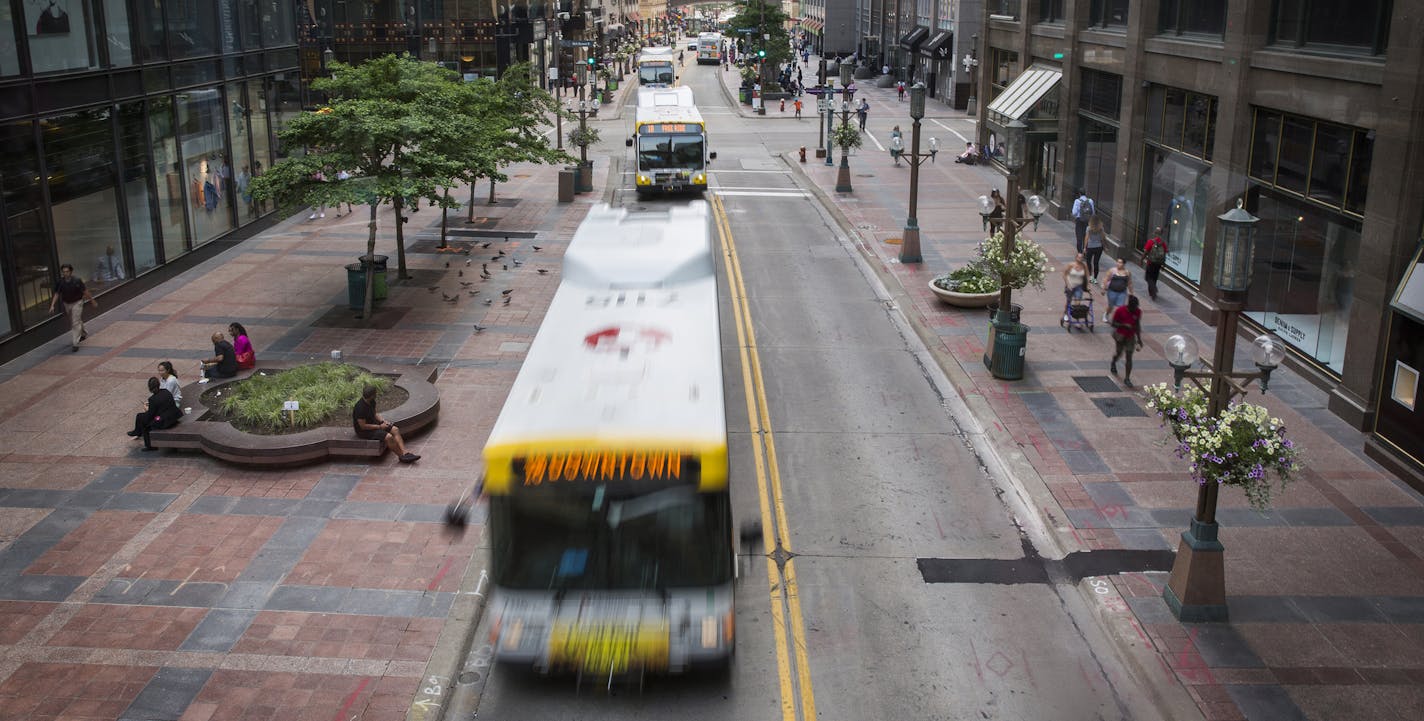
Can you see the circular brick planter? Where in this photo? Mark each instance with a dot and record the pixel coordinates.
(220, 439)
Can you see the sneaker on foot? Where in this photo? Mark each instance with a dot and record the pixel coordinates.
(1113, 367)
(323, 215)
(1127, 382)
(409, 458)
(83, 335)
(74, 349)
(149, 448)
(133, 434)
(311, 217)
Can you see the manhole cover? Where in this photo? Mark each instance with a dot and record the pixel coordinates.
(1119, 407)
(1096, 384)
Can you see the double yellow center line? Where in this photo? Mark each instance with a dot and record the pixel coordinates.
(776, 533)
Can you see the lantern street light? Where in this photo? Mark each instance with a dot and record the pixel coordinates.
(847, 92)
(1196, 590)
(910, 237)
(1005, 356)
(970, 62)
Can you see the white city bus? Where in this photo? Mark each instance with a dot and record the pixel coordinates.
(669, 149)
(709, 49)
(610, 522)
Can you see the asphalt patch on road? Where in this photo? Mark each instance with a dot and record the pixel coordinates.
(1072, 568)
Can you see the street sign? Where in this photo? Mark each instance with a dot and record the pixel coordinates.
(577, 43)
(746, 31)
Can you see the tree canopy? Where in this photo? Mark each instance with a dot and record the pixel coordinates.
(770, 22)
(407, 130)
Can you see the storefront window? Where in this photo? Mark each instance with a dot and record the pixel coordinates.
(1178, 198)
(1105, 13)
(251, 13)
(79, 156)
(202, 136)
(279, 22)
(121, 35)
(1200, 17)
(257, 96)
(26, 224)
(192, 27)
(1353, 27)
(61, 35)
(1303, 277)
(1097, 164)
(1326, 162)
(239, 134)
(133, 153)
(9, 48)
(170, 178)
(227, 25)
(288, 105)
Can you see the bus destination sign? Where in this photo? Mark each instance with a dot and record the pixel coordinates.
(606, 466)
(665, 128)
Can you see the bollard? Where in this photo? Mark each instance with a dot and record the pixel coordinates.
(783, 105)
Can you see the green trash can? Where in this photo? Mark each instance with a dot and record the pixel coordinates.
(744, 95)
(356, 282)
(1010, 344)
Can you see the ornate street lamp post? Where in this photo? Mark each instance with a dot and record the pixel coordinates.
(910, 238)
(847, 92)
(971, 61)
(1196, 590)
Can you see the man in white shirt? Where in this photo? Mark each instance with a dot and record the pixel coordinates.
(1083, 209)
(109, 268)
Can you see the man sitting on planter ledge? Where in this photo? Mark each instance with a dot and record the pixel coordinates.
(371, 426)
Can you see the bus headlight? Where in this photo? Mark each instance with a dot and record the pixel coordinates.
(643, 179)
(699, 179)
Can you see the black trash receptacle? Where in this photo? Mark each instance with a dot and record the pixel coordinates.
(1010, 345)
(566, 185)
(1015, 310)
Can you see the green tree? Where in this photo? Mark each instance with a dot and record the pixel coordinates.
(379, 112)
(770, 36)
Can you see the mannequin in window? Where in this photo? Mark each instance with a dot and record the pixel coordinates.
(54, 20)
(109, 267)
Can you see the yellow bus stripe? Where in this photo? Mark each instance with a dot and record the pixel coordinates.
(769, 474)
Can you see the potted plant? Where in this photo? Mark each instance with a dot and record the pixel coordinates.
(583, 136)
(847, 138)
(965, 287)
(1241, 447)
(1026, 266)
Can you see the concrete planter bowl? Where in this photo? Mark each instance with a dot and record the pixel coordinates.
(964, 300)
(221, 440)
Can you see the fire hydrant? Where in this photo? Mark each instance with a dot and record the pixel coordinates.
(803, 153)
(783, 105)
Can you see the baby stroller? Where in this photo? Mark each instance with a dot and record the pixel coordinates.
(1077, 312)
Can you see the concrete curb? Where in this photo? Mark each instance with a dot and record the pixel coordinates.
(445, 685)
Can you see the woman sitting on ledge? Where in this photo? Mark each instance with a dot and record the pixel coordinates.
(159, 411)
(242, 345)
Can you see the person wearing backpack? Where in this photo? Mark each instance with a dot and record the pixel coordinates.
(1083, 210)
(1154, 256)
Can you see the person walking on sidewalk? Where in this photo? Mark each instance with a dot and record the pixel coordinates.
(900, 90)
(797, 105)
(1154, 256)
(861, 111)
(1083, 209)
(1127, 332)
(1118, 286)
(1093, 247)
(71, 291)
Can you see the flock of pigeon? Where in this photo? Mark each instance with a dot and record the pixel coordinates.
(467, 285)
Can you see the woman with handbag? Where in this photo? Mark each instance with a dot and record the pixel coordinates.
(159, 411)
(246, 356)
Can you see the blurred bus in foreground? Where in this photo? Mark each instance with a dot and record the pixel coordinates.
(610, 523)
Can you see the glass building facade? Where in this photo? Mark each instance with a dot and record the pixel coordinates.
(129, 130)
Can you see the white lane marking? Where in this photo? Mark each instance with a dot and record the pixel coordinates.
(736, 170)
(952, 130)
(873, 139)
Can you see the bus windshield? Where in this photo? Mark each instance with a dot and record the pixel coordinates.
(676, 538)
(670, 151)
(655, 74)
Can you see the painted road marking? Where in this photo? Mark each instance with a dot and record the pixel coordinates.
(765, 193)
(785, 597)
(952, 130)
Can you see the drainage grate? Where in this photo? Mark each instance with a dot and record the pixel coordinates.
(1073, 568)
(1119, 407)
(1096, 384)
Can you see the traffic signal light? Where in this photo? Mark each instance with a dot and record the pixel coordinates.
(761, 53)
(593, 62)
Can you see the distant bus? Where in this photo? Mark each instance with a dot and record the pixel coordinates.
(709, 49)
(670, 150)
(655, 66)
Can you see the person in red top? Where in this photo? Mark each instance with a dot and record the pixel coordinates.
(1154, 256)
(1127, 331)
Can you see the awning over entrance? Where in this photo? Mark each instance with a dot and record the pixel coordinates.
(1409, 296)
(1023, 93)
(913, 38)
(940, 46)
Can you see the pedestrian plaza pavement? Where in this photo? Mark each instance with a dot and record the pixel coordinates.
(169, 585)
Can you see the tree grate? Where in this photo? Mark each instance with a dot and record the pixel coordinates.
(1096, 384)
(1120, 407)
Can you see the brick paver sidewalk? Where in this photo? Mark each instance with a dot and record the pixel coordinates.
(160, 585)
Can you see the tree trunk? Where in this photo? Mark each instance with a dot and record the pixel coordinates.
(400, 239)
(444, 219)
(470, 218)
(370, 265)
(491, 198)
